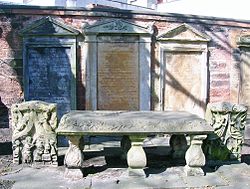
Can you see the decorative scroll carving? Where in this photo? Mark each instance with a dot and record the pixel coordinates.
(34, 137)
(228, 121)
(116, 25)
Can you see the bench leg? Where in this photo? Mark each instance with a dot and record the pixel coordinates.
(136, 157)
(74, 158)
(195, 158)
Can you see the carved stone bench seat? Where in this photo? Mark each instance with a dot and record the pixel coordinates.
(136, 126)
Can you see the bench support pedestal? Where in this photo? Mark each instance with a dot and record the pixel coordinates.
(74, 158)
(195, 158)
(136, 157)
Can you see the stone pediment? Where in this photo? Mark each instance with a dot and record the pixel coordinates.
(49, 27)
(117, 26)
(183, 32)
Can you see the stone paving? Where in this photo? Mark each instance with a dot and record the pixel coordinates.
(100, 173)
(109, 177)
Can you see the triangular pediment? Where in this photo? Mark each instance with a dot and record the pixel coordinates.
(117, 26)
(183, 32)
(47, 27)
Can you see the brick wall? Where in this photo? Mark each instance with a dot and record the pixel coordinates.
(223, 76)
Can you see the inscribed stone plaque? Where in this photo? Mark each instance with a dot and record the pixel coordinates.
(49, 75)
(245, 61)
(182, 89)
(118, 73)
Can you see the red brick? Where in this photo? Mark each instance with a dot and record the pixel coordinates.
(219, 92)
(220, 83)
(221, 76)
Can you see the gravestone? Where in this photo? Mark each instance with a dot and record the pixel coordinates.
(49, 75)
(49, 51)
(244, 94)
(118, 67)
(118, 73)
(182, 70)
(182, 81)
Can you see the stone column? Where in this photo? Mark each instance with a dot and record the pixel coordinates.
(136, 157)
(74, 158)
(195, 157)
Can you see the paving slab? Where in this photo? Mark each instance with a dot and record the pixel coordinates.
(236, 175)
(210, 180)
(226, 177)
(49, 178)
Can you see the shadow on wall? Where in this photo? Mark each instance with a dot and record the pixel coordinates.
(10, 92)
(4, 121)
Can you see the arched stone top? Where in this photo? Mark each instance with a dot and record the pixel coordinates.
(49, 27)
(183, 33)
(117, 26)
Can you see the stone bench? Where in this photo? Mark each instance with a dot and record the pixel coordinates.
(136, 125)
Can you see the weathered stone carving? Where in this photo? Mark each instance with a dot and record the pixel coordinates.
(116, 25)
(34, 137)
(228, 121)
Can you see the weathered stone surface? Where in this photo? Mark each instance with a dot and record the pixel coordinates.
(183, 70)
(106, 122)
(137, 125)
(34, 137)
(228, 121)
(245, 97)
(118, 65)
(118, 73)
(49, 75)
(183, 81)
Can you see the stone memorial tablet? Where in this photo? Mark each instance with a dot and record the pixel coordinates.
(50, 76)
(118, 73)
(182, 81)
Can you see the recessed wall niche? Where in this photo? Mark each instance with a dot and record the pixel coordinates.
(118, 66)
(182, 84)
(49, 56)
